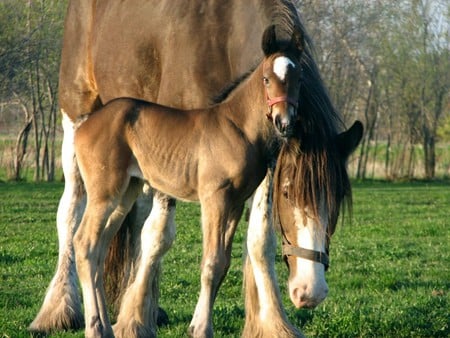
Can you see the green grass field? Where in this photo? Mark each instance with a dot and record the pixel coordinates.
(389, 274)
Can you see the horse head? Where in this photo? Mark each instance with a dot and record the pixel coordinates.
(281, 77)
(306, 209)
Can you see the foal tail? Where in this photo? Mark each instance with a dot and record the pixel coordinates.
(124, 249)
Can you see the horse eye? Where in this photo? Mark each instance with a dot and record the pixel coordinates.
(266, 81)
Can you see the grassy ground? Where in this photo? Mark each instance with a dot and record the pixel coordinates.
(389, 275)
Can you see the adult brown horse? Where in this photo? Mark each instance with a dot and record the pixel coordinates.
(158, 51)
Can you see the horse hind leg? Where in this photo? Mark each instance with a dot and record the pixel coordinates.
(114, 222)
(61, 309)
(88, 245)
(139, 306)
(101, 220)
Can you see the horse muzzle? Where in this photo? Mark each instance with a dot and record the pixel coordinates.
(284, 120)
(282, 117)
(308, 295)
(284, 126)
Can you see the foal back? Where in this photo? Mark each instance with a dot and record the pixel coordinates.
(110, 139)
(186, 154)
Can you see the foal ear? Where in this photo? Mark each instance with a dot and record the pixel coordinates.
(349, 140)
(269, 41)
(273, 43)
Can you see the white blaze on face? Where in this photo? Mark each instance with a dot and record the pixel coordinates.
(310, 235)
(309, 287)
(281, 65)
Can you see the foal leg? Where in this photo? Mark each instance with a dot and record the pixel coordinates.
(61, 309)
(88, 244)
(115, 221)
(101, 220)
(139, 307)
(264, 312)
(107, 205)
(218, 227)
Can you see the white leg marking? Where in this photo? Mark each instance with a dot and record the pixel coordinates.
(63, 289)
(140, 305)
(261, 245)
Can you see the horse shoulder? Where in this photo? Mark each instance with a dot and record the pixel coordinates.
(77, 85)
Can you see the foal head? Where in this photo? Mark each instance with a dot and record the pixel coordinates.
(308, 193)
(281, 78)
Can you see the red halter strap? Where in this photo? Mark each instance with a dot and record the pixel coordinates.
(278, 99)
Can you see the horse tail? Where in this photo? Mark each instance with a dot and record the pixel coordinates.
(123, 252)
(118, 263)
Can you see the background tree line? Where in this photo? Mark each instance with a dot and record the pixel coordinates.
(386, 63)
(30, 44)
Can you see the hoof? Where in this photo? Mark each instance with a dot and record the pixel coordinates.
(57, 319)
(133, 330)
(163, 318)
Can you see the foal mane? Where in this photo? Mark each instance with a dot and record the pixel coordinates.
(284, 17)
(228, 89)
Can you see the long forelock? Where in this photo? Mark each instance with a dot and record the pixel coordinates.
(313, 172)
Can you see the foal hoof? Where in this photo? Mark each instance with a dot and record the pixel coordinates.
(163, 318)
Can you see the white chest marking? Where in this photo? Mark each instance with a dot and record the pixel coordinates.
(280, 66)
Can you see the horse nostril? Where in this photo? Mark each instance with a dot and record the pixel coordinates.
(280, 124)
(300, 293)
(277, 122)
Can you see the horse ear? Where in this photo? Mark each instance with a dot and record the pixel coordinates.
(349, 140)
(269, 41)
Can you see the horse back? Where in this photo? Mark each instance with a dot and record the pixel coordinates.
(174, 52)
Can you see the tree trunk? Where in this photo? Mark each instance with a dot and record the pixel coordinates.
(429, 145)
(21, 149)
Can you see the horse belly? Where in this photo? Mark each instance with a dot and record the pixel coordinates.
(165, 152)
(169, 181)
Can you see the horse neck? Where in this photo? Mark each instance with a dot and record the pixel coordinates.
(247, 105)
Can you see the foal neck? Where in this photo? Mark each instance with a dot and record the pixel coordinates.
(246, 106)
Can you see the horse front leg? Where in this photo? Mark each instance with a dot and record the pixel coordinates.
(139, 306)
(264, 312)
(219, 222)
(61, 309)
